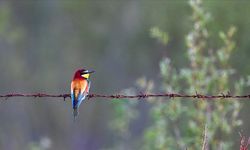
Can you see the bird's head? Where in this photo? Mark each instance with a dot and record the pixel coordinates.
(83, 73)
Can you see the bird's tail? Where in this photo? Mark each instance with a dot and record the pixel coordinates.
(75, 113)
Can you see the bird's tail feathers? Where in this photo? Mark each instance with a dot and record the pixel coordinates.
(75, 113)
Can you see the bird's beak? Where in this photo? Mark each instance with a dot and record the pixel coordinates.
(92, 71)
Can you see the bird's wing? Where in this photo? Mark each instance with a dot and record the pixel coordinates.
(82, 93)
(88, 87)
(78, 88)
(72, 93)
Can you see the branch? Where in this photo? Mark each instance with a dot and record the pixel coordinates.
(205, 139)
(243, 142)
(139, 96)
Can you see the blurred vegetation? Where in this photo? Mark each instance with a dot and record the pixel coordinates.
(43, 42)
(180, 123)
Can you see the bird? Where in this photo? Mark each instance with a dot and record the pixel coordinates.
(80, 86)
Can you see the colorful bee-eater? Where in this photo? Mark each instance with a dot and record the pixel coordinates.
(79, 88)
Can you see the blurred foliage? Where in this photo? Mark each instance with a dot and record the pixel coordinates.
(43, 144)
(179, 123)
(159, 35)
(43, 42)
(9, 32)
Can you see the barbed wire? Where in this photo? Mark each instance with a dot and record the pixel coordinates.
(138, 96)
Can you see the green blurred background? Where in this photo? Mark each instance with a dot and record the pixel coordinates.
(42, 43)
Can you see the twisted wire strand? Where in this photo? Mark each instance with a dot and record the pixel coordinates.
(138, 96)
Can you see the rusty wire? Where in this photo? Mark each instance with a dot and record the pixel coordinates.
(138, 96)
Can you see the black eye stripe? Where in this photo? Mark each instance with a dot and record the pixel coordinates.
(85, 72)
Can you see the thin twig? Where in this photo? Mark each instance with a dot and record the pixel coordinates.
(205, 139)
(139, 96)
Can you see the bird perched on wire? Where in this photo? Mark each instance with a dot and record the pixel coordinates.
(79, 88)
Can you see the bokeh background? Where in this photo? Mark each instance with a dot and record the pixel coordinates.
(42, 43)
